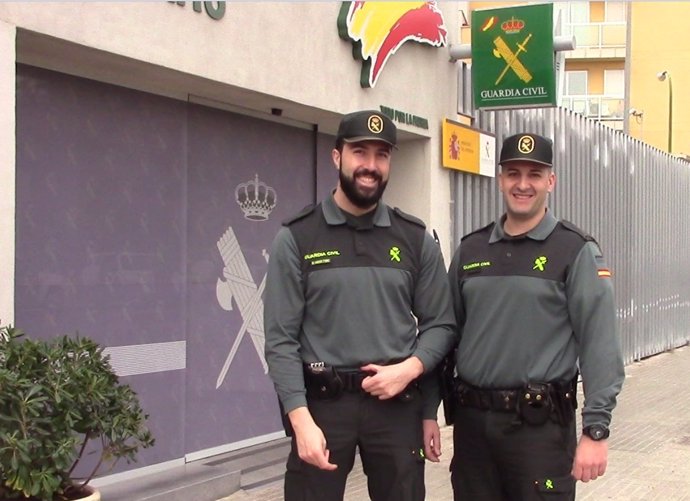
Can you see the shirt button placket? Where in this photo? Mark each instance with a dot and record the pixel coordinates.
(359, 244)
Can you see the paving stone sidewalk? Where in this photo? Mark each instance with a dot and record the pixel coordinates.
(649, 448)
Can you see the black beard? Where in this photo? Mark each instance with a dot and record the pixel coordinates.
(358, 199)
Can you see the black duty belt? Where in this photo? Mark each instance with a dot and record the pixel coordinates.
(352, 382)
(324, 382)
(509, 400)
(495, 400)
(352, 379)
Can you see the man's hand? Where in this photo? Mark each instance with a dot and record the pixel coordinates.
(432, 440)
(311, 443)
(386, 381)
(590, 459)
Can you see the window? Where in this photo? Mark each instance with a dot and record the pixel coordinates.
(614, 83)
(578, 12)
(576, 19)
(575, 83)
(615, 12)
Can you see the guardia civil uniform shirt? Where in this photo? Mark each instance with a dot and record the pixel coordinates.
(533, 307)
(351, 294)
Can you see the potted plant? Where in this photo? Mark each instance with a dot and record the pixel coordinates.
(57, 398)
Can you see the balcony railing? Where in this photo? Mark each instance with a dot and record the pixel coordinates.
(607, 109)
(598, 35)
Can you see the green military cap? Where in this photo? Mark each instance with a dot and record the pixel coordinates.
(367, 125)
(527, 147)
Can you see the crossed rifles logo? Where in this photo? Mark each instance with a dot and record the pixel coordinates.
(502, 51)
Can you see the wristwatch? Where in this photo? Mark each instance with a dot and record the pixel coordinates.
(596, 432)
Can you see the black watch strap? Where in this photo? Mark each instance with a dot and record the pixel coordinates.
(596, 432)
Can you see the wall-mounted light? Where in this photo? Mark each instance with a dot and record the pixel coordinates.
(666, 75)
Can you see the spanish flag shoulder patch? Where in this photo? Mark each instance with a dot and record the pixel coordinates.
(604, 273)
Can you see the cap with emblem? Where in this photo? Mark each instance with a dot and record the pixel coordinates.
(527, 147)
(367, 126)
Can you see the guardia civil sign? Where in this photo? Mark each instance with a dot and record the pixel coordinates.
(513, 62)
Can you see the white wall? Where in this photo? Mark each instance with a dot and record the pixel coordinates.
(7, 172)
(258, 56)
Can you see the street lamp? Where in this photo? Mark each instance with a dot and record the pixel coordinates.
(663, 75)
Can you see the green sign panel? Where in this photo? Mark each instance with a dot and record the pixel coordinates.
(513, 63)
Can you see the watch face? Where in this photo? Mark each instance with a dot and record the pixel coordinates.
(596, 432)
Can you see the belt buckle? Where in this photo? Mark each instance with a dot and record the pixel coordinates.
(353, 380)
(357, 378)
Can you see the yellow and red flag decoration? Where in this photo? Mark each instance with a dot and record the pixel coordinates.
(489, 23)
(378, 29)
(604, 273)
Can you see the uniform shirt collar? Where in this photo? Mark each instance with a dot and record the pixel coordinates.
(335, 216)
(539, 232)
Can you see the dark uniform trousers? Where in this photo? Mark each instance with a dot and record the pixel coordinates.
(499, 458)
(389, 436)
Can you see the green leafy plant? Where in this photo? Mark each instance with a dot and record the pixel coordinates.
(55, 397)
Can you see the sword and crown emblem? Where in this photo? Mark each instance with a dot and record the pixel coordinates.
(375, 124)
(526, 144)
(513, 57)
(512, 25)
(256, 199)
(237, 289)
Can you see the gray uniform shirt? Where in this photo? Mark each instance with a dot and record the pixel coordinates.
(529, 309)
(350, 296)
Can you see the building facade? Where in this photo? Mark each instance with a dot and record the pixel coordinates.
(658, 69)
(149, 153)
(629, 57)
(594, 83)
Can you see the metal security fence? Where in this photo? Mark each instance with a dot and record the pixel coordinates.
(631, 197)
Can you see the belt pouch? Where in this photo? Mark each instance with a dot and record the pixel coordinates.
(534, 405)
(322, 381)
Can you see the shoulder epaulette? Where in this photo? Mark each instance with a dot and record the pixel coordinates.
(570, 226)
(410, 218)
(489, 227)
(300, 215)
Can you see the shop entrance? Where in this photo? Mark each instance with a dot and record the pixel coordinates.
(146, 223)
